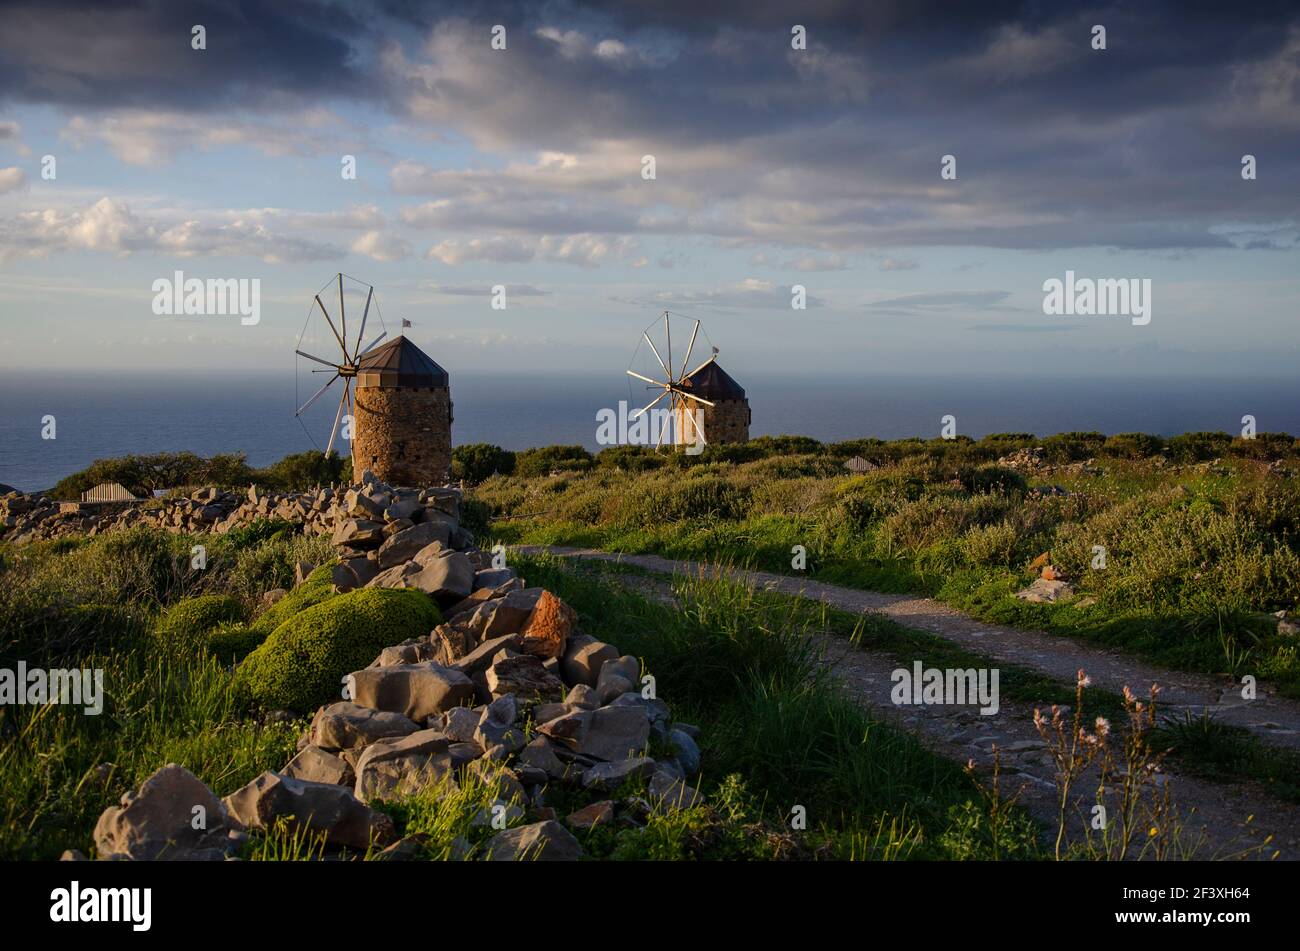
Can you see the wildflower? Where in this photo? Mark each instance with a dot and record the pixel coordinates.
(1103, 726)
(1083, 679)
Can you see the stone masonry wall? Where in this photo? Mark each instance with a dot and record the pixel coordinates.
(726, 421)
(403, 434)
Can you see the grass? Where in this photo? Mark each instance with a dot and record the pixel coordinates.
(1205, 747)
(779, 738)
(742, 665)
(1195, 558)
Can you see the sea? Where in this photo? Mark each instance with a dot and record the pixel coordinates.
(101, 415)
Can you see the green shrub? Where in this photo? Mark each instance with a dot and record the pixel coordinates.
(785, 445)
(629, 458)
(1264, 446)
(270, 564)
(316, 588)
(479, 461)
(233, 642)
(1132, 446)
(187, 622)
(475, 517)
(547, 459)
(256, 532)
(1198, 447)
(1073, 447)
(302, 664)
(992, 479)
(302, 471)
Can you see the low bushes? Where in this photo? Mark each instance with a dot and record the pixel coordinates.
(302, 663)
(186, 622)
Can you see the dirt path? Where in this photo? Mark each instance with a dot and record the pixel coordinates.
(1273, 719)
(1227, 820)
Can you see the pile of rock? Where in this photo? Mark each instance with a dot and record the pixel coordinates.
(404, 538)
(1050, 586)
(25, 518)
(1029, 460)
(506, 690)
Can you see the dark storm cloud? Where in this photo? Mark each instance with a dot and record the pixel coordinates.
(835, 148)
(138, 54)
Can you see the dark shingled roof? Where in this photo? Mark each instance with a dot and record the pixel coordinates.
(399, 363)
(711, 382)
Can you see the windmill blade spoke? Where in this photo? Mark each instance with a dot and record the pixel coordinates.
(702, 366)
(373, 342)
(663, 426)
(650, 404)
(343, 316)
(646, 378)
(338, 415)
(332, 327)
(668, 332)
(656, 353)
(303, 408)
(365, 314)
(692, 396)
(691, 346)
(332, 366)
(696, 426)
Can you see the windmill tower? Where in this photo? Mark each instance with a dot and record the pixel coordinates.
(704, 405)
(403, 412)
(728, 417)
(396, 399)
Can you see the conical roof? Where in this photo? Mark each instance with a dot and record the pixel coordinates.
(711, 382)
(399, 363)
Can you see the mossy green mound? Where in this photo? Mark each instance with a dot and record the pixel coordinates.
(190, 617)
(316, 588)
(302, 663)
(230, 643)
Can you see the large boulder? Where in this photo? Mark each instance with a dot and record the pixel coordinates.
(317, 765)
(617, 677)
(406, 544)
(391, 769)
(524, 675)
(313, 807)
(347, 726)
(583, 658)
(157, 821)
(506, 615)
(614, 774)
(358, 533)
(542, 841)
(610, 733)
(417, 691)
(496, 727)
(547, 629)
(447, 578)
(478, 660)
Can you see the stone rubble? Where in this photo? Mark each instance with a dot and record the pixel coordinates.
(506, 688)
(357, 514)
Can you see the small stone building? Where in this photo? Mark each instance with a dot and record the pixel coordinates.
(402, 416)
(727, 420)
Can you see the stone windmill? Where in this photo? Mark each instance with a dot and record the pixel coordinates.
(704, 404)
(395, 404)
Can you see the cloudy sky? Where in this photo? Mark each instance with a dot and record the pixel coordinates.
(774, 167)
